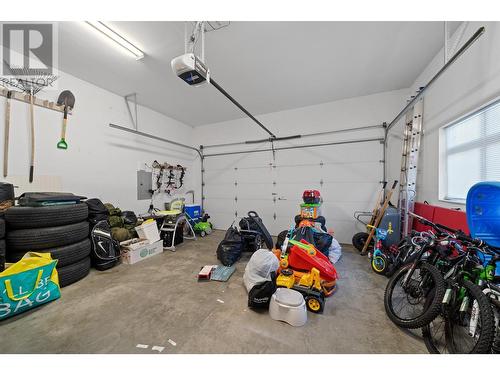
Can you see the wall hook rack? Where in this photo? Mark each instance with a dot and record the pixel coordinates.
(22, 97)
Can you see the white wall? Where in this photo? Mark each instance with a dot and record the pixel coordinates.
(351, 172)
(473, 80)
(100, 161)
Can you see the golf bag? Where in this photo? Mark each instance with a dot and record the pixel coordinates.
(231, 247)
(105, 250)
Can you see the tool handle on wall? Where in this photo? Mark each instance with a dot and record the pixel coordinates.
(32, 123)
(6, 136)
(62, 143)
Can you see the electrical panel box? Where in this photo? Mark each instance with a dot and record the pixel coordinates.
(144, 185)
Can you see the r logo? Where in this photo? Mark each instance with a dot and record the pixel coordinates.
(28, 49)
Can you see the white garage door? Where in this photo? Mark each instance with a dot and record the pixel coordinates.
(347, 175)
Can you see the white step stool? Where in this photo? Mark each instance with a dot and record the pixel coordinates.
(289, 306)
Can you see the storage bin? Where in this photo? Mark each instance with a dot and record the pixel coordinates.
(193, 210)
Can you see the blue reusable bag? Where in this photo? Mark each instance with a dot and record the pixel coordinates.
(28, 283)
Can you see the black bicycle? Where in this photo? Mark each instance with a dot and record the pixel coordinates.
(467, 322)
(414, 292)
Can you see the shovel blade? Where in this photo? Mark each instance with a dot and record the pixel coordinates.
(66, 98)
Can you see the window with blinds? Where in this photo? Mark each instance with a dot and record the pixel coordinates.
(471, 152)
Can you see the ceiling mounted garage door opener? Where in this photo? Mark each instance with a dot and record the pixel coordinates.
(192, 70)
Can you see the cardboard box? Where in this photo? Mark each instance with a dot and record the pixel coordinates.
(148, 230)
(135, 250)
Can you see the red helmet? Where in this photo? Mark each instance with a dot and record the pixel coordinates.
(311, 196)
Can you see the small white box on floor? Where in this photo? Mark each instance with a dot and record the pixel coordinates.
(148, 230)
(135, 250)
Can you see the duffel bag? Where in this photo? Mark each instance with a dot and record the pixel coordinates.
(230, 248)
(97, 210)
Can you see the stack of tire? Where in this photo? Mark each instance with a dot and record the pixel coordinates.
(2, 245)
(61, 230)
(6, 201)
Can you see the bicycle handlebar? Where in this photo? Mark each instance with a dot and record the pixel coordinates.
(458, 234)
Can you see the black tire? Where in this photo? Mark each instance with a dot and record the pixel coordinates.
(485, 320)
(44, 238)
(50, 216)
(429, 298)
(380, 264)
(359, 239)
(2, 228)
(2, 255)
(280, 239)
(73, 272)
(315, 304)
(65, 255)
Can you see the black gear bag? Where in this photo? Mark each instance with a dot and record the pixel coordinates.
(105, 250)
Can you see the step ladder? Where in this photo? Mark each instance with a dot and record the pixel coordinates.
(412, 134)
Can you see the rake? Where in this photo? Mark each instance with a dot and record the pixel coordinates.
(32, 82)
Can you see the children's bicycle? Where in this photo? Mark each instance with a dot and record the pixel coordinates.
(379, 259)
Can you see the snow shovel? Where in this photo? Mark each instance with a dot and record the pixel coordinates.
(380, 215)
(67, 99)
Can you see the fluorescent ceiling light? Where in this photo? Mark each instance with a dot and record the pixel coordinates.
(117, 38)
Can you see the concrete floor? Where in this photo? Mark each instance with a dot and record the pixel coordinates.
(159, 299)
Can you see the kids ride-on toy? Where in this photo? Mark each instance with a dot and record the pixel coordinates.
(309, 285)
(202, 226)
(301, 257)
(379, 259)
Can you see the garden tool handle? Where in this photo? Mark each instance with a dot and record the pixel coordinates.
(6, 135)
(10, 292)
(32, 123)
(62, 143)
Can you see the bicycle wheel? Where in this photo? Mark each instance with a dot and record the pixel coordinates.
(380, 264)
(434, 335)
(419, 302)
(470, 324)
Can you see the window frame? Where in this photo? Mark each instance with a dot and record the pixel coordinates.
(443, 151)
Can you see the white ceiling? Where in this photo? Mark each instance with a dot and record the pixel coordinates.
(266, 66)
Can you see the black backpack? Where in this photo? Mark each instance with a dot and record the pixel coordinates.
(105, 250)
(231, 247)
(260, 295)
(97, 211)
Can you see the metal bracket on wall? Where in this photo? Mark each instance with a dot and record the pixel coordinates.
(133, 118)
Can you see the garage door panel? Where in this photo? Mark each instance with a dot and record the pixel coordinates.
(348, 192)
(221, 190)
(222, 221)
(343, 230)
(255, 176)
(351, 173)
(347, 175)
